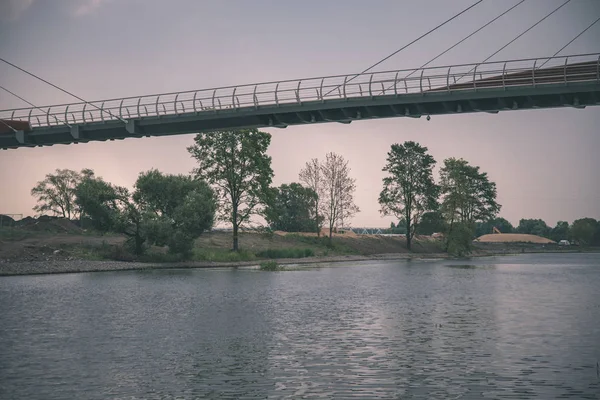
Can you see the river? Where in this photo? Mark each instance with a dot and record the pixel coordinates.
(508, 327)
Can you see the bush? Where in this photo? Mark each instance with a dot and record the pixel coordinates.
(222, 255)
(459, 240)
(286, 253)
(270, 266)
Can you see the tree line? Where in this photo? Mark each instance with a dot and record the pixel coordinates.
(232, 183)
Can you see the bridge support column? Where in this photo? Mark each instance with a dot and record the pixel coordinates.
(76, 132)
(20, 136)
(133, 128)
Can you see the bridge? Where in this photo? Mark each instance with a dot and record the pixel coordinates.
(565, 81)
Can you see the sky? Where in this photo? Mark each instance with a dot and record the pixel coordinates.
(545, 162)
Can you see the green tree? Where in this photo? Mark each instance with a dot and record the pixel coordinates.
(560, 231)
(409, 190)
(583, 230)
(179, 208)
(100, 201)
(169, 210)
(534, 227)
(292, 209)
(56, 193)
(431, 222)
(484, 228)
(110, 208)
(468, 196)
(237, 167)
(460, 240)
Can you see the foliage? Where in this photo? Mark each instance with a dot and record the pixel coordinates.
(468, 196)
(270, 266)
(292, 209)
(560, 232)
(237, 167)
(180, 209)
(484, 228)
(460, 239)
(534, 227)
(222, 255)
(409, 190)
(99, 201)
(286, 253)
(312, 177)
(56, 193)
(431, 222)
(338, 191)
(584, 230)
(168, 210)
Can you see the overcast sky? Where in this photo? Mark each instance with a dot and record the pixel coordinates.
(545, 162)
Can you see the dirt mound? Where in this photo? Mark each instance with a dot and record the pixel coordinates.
(512, 238)
(48, 224)
(5, 220)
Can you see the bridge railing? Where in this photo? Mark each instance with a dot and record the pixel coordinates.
(490, 75)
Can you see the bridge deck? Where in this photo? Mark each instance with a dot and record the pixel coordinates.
(572, 81)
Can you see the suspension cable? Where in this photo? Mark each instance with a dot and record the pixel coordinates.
(62, 90)
(462, 40)
(571, 41)
(517, 37)
(33, 105)
(409, 44)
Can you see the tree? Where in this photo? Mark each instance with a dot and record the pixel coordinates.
(560, 231)
(468, 196)
(110, 208)
(483, 228)
(180, 208)
(163, 210)
(583, 230)
(534, 227)
(99, 200)
(409, 189)
(292, 209)
(338, 191)
(311, 176)
(56, 193)
(459, 241)
(238, 169)
(431, 222)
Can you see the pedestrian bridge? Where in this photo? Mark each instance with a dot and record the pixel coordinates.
(551, 82)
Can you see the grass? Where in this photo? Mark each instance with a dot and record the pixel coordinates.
(286, 253)
(336, 246)
(270, 266)
(222, 255)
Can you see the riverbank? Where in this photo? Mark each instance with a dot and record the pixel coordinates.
(77, 266)
(26, 253)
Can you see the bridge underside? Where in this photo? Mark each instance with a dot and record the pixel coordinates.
(343, 110)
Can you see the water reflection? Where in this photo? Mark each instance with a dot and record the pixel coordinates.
(522, 327)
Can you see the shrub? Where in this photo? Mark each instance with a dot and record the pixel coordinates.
(270, 266)
(286, 253)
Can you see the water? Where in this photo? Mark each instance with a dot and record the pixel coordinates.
(514, 327)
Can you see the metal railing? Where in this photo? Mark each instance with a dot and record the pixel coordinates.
(490, 75)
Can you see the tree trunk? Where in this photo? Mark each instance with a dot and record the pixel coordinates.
(234, 214)
(235, 237)
(317, 219)
(408, 232)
